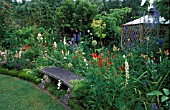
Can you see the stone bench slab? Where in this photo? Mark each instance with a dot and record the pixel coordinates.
(60, 74)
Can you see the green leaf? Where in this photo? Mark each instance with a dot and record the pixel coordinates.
(166, 91)
(164, 98)
(155, 93)
(103, 35)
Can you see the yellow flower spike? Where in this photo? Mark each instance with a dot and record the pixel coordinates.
(144, 56)
(131, 54)
(147, 39)
(160, 51)
(115, 48)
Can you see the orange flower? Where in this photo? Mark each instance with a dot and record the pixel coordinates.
(110, 63)
(26, 47)
(99, 56)
(75, 57)
(45, 45)
(122, 68)
(102, 53)
(83, 58)
(166, 52)
(107, 66)
(100, 63)
(64, 51)
(116, 74)
(153, 58)
(114, 56)
(94, 55)
(107, 59)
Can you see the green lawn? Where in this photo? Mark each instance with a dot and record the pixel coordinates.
(16, 94)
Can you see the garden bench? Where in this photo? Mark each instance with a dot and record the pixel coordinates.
(63, 75)
(59, 74)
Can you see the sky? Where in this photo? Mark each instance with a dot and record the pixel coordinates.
(21, 0)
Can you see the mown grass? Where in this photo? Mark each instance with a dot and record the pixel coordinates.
(16, 94)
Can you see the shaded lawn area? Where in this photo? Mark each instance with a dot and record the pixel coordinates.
(16, 94)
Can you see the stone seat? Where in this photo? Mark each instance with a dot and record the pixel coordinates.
(60, 74)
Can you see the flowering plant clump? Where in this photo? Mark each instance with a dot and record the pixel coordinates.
(114, 79)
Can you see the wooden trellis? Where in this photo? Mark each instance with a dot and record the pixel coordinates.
(139, 29)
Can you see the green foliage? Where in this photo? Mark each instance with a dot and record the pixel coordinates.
(53, 89)
(164, 97)
(163, 7)
(78, 14)
(22, 75)
(113, 21)
(74, 105)
(39, 13)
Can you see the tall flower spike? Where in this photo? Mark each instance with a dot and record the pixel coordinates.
(126, 70)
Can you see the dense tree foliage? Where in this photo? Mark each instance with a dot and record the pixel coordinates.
(7, 24)
(163, 7)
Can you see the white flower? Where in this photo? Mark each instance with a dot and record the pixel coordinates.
(39, 35)
(86, 64)
(94, 42)
(91, 34)
(85, 60)
(55, 44)
(59, 84)
(64, 41)
(83, 53)
(124, 56)
(88, 31)
(65, 58)
(68, 52)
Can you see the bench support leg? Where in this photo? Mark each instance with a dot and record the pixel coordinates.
(47, 78)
